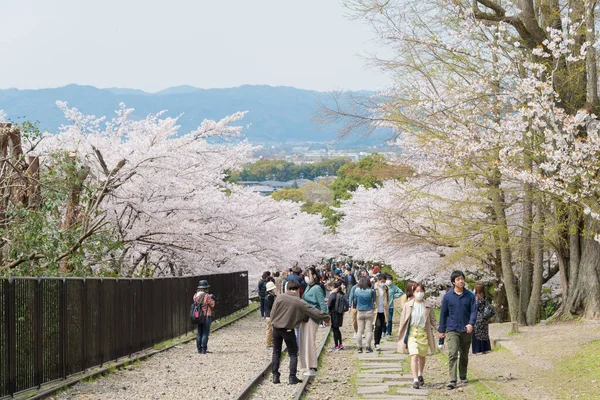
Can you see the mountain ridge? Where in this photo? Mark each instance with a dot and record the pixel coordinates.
(276, 114)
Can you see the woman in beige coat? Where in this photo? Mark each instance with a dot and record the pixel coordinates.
(417, 335)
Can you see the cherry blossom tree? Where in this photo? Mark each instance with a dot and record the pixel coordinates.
(503, 96)
(163, 198)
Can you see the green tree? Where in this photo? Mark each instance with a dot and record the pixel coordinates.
(294, 195)
(369, 172)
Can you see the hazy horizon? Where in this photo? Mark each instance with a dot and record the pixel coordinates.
(152, 45)
(177, 86)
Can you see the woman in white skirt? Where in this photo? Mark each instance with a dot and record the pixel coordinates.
(417, 336)
(314, 295)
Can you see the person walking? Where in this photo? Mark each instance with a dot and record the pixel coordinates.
(481, 335)
(401, 301)
(294, 275)
(382, 304)
(365, 304)
(335, 304)
(287, 313)
(417, 337)
(350, 279)
(278, 281)
(314, 295)
(271, 294)
(457, 317)
(207, 303)
(262, 292)
(394, 292)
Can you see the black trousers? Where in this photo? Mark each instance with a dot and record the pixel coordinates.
(289, 335)
(379, 326)
(337, 335)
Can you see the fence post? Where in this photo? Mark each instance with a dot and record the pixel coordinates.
(83, 328)
(39, 326)
(63, 331)
(10, 316)
(99, 323)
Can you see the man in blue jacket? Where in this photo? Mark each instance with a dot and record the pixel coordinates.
(457, 317)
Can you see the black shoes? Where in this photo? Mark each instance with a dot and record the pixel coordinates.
(451, 385)
(464, 380)
(294, 380)
(369, 350)
(360, 349)
(421, 380)
(415, 385)
(276, 379)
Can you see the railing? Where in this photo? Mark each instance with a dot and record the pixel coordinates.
(51, 328)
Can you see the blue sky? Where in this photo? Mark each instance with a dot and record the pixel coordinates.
(154, 44)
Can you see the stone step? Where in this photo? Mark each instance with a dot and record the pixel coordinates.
(380, 381)
(379, 370)
(373, 389)
(384, 376)
(375, 365)
(410, 391)
(388, 396)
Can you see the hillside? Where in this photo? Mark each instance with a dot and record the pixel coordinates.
(276, 114)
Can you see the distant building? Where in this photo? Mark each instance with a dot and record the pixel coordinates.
(262, 190)
(277, 184)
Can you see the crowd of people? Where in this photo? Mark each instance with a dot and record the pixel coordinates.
(296, 302)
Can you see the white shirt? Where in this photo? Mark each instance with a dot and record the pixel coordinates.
(381, 308)
(417, 317)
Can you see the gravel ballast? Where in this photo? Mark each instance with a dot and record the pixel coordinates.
(238, 353)
(269, 391)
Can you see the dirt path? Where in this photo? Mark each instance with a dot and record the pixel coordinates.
(531, 364)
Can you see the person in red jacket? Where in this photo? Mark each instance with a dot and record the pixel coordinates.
(208, 304)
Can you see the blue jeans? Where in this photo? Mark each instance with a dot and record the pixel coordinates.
(263, 306)
(202, 335)
(390, 316)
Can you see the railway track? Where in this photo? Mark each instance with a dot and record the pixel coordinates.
(258, 384)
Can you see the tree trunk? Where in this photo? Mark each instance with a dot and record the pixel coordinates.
(73, 209)
(500, 300)
(526, 262)
(590, 57)
(538, 267)
(584, 291)
(574, 233)
(510, 286)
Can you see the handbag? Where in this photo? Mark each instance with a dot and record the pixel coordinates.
(488, 311)
(196, 313)
(407, 331)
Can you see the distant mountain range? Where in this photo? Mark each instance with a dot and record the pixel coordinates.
(275, 114)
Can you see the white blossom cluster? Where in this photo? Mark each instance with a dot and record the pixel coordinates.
(168, 201)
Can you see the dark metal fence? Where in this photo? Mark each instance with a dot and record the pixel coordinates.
(51, 328)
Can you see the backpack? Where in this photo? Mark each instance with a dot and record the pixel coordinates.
(196, 313)
(341, 304)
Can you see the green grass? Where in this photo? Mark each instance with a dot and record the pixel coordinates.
(500, 349)
(582, 371)
(512, 333)
(479, 390)
(482, 392)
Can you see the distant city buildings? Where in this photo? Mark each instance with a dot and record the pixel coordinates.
(265, 188)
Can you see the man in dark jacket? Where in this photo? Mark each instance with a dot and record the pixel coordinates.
(295, 276)
(288, 311)
(262, 292)
(457, 317)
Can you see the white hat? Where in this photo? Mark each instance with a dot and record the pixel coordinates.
(270, 286)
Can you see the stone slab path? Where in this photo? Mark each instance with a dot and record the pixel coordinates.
(380, 375)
